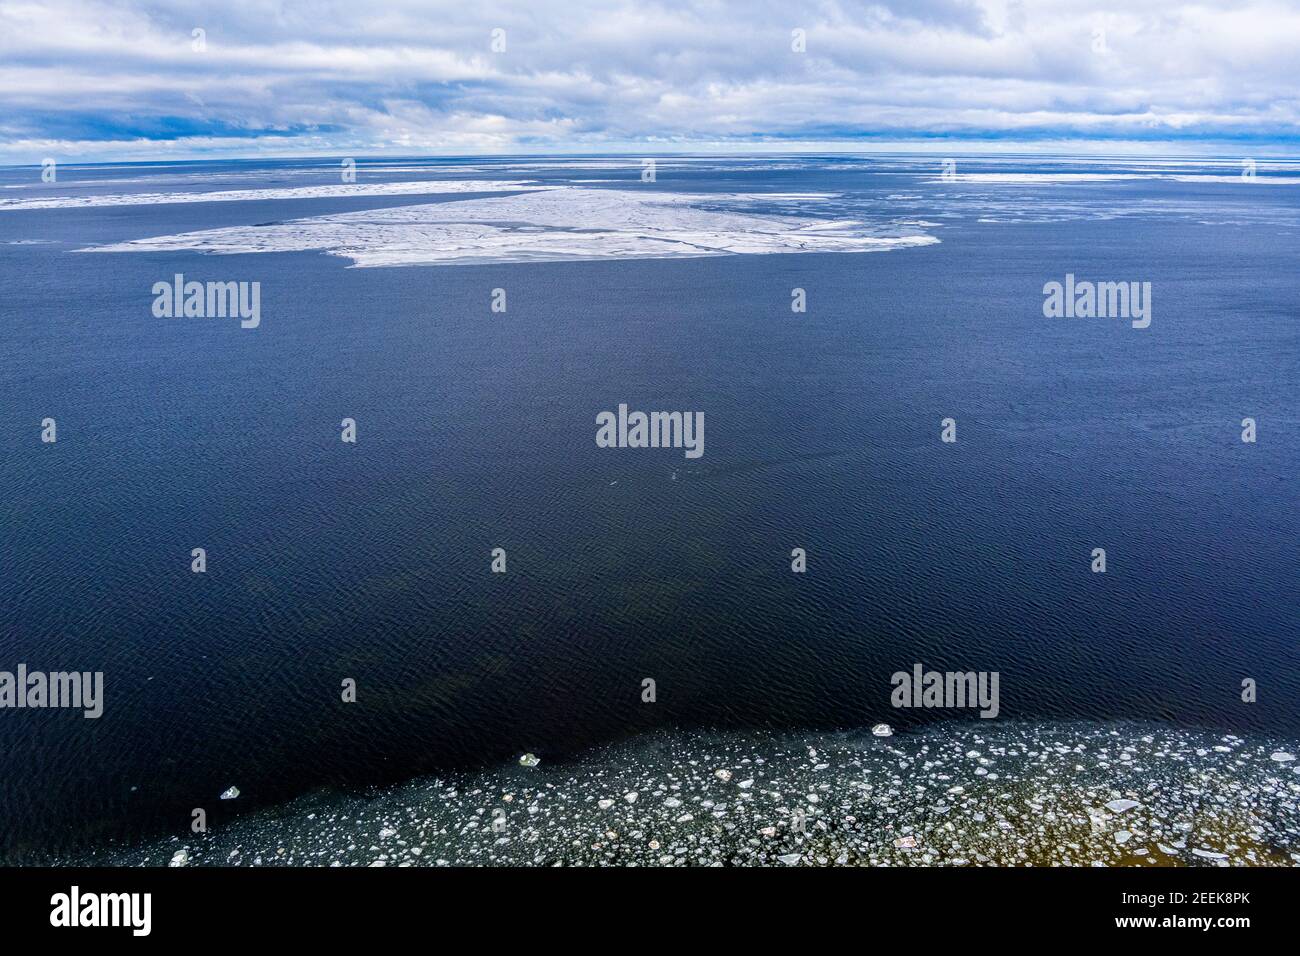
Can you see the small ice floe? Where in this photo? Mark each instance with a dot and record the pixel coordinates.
(179, 858)
(914, 801)
(1119, 806)
(882, 730)
(529, 760)
(723, 775)
(789, 859)
(1281, 756)
(230, 793)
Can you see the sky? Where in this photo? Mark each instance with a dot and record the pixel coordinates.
(92, 81)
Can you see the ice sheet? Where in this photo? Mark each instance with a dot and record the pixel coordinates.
(563, 223)
(248, 195)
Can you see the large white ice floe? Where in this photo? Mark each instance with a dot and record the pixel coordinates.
(555, 224)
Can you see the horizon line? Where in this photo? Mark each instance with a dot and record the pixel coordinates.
(1213, 150)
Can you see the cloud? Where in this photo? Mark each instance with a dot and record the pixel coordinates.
(83, 79)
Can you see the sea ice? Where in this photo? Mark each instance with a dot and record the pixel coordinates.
(872, 808)
(546, 224)
(335, 191)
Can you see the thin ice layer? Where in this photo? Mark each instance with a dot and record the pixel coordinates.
(336, 191)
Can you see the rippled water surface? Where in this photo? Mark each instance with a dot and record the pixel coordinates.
(371, 561)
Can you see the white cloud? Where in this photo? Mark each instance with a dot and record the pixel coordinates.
(90, 79)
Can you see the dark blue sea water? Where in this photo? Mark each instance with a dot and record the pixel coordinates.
(476, 431)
